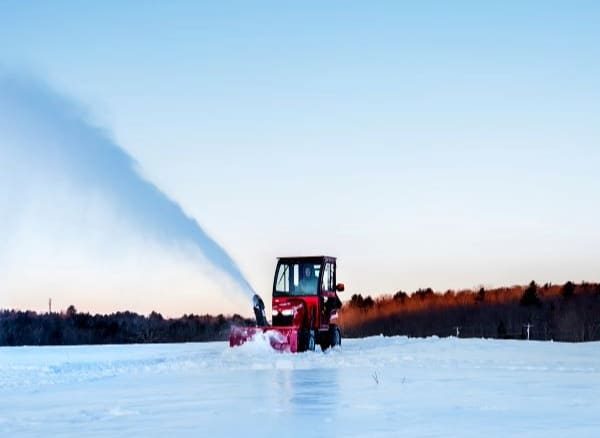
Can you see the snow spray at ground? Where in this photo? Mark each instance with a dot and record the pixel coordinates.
(369, 387)
(44, 133)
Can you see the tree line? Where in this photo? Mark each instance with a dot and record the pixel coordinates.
(568, 312)
(74, 328)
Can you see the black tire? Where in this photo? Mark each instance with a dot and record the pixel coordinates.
(335, 336)
(308, 340)
(310, 346)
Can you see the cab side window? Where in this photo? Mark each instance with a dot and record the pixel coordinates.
(328, 278)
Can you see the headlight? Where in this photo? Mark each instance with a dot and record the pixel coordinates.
(287, 312)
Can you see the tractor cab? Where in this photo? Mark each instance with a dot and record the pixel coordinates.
(305, 287)
(304, 306)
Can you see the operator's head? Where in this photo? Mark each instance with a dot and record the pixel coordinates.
(308, 271)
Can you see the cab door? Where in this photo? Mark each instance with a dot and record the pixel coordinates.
(328, 294)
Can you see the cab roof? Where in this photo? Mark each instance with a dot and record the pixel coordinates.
(317, 258)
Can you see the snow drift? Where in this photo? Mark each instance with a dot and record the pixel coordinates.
(369, 387)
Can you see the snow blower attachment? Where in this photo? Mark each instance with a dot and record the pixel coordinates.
(304, 307)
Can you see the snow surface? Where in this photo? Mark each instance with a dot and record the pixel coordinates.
(370, 387)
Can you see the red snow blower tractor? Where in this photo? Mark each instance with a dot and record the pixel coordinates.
(304, 308)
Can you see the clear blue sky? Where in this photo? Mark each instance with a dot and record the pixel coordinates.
(443, 144)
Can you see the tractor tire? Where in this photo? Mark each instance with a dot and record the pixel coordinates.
(335, 336)
(311, 340)
(308, 340)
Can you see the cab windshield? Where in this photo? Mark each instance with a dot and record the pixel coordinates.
(297, 278)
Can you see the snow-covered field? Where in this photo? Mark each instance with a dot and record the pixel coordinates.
(369, 387)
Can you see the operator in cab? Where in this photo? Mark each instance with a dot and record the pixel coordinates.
(308, 279)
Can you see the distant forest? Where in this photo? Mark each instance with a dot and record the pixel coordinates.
(569, 312)
(74, 328)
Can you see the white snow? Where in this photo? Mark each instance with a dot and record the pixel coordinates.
(370, 387)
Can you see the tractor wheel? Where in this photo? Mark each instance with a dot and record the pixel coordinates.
(335, 336)
(311, 340)
(308, 340)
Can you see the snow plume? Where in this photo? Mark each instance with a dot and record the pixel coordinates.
(56, 165)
